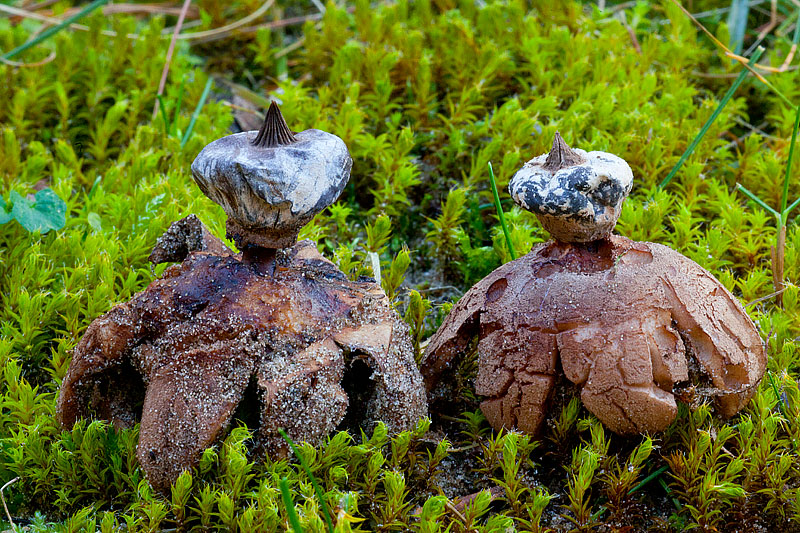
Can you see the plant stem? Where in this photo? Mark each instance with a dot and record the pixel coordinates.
(791, 207)
(761, 203)
(725, 99)
(49, 32)
(317, 489)
(500, 213)
(648, 479)
(294, 520)
(785, 196)
(778, 254)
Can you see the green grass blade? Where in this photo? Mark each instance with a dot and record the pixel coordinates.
(781, 405)
(317, 488)
(163, 109)
(178, 104)
(49, 32)
(648, 479)
(500, 213)
(785, 197)
(699, 137)
(200, 104)
(790, 209)
(294, 520)
(796, 39)
(758, 200)
(669, 492)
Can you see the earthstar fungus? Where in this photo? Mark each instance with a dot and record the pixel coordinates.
(272, 182)
(630, 324)
(276, 336)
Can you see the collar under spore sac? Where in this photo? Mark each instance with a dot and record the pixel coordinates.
(274, 131)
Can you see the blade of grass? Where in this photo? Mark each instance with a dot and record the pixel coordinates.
(49, 32)
(785, 197)
(163, 108)
(200, 104)
(178, 105)
(710, 121)
(317, 489)
(294, 520)
(781, 405)
(796, 37)
(758, 200)
(648, 479)
(500, 213)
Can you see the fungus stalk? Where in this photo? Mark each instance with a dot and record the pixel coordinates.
(261, 259)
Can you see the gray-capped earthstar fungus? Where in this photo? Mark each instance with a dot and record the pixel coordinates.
(631, 325)
(276, 336)
(272, 182)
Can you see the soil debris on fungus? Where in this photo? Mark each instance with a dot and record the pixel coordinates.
(281, 328)
(630, 323)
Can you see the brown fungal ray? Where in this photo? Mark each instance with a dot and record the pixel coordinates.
(625, 320)
(197, 337)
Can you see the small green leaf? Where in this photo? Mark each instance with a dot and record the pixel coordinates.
(5, 216)
(47, 211)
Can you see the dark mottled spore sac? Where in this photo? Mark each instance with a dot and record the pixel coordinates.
(609, 193)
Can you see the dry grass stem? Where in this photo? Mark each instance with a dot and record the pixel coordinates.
(170, 50)
(228, 28)
(44, 61)
(5, 507)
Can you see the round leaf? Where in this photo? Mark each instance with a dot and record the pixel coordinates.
(47, 211)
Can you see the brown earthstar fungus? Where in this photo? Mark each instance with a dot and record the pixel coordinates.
(277, 337)
(630, 324)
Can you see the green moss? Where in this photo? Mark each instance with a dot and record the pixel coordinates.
(425, 94)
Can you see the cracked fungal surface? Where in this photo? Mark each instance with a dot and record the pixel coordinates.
(303, 348)
(628, 322)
